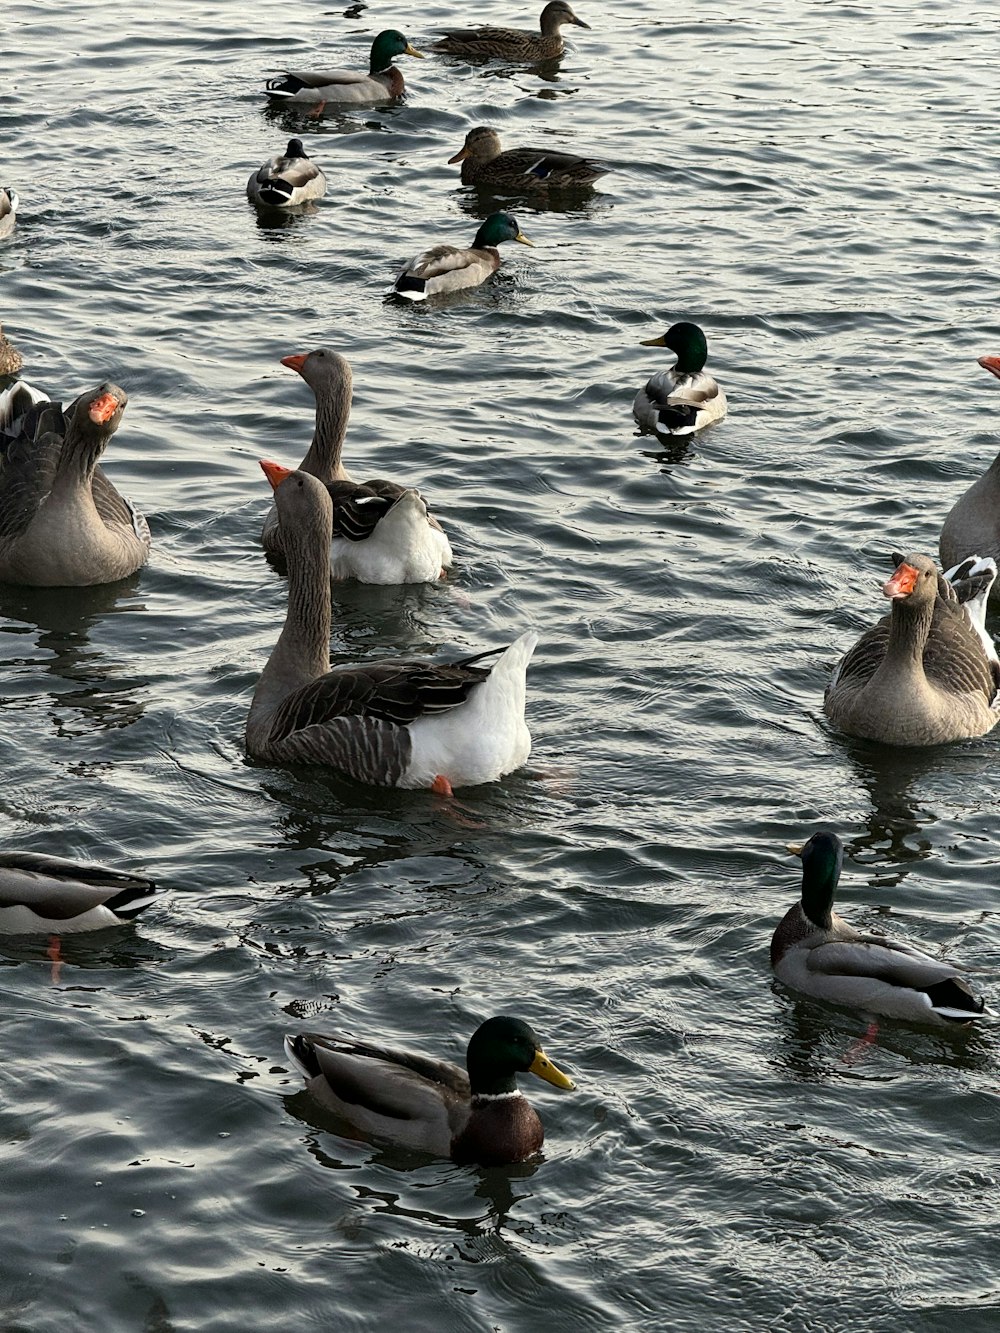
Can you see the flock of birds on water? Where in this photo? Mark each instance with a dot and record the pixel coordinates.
(927, 673)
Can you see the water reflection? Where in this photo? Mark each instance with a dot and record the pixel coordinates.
(479, 201)
(281, 219)
(898, 826)
(335, 118)
(64, 617)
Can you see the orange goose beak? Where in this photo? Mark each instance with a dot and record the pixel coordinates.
(103, 408)
(992, 364)
(295, 362)
(275, 473)
(902, 582)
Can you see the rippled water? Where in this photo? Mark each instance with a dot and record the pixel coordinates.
(813, 184)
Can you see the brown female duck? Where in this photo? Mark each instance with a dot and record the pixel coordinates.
(520, 169)
(513, 43)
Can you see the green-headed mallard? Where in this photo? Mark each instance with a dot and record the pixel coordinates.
(684, 398)
(521, 169)
(928, 672)
(8, 210)
(429, 1105)
(382, 83)
(394, 724)
(382, 531)
(973, 522)
(50, 894)
(62, 522)
(816, 952)
(513, 43)
(11, 359)
(447, 268)
(286, 179)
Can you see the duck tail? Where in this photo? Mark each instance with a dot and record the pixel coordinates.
(276, 192)
(676, 419)
(132, 899)
(414, 289)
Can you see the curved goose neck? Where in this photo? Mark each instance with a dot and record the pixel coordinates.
(333, 411)
(305, 638)
(83, 445)
(909, 628)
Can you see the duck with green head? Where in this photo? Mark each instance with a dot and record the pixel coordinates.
(685, 398)
(419, 1102)
(513, 43)
(816, 952)
(447, 268)
(382, 83)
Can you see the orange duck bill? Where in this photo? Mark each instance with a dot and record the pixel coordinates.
(902, 582)
(275, 473)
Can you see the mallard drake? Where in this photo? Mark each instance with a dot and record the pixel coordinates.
(927, 673)
(816, 952)
(50, 894)
(62, 523)
(446, 268)
(11, 359)
(521, 169)
(394, 724)
(8, 210)
(513, 43)
(382, 83)
(287, 179)
(684, 398)
(382, 532)
(416, 1101)
(973, 523)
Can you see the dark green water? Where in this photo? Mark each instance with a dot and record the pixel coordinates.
(815, 184)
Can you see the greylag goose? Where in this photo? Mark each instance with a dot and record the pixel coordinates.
(382, 532)
(62, 523)
(394, 724)
(43, 894)
(448, 268)
(382, 83)
(11, 359)
(513, 43)
(429, 1105)
(520, 169)
(927, 673)
(684, 398)
(816, 952)
(973, 523)
(8, 210)
(287, 179)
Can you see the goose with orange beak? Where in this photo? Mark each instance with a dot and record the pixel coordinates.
(62, 522)
(928, 672)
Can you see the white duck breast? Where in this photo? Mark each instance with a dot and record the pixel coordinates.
(50, 894)
(288, 179)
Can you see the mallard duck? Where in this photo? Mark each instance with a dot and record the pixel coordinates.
(11, 359)
(382, 532)
(513, 43)
(394, 724)
(50, 894)
(62, 523)
(973, 523)
(287, 179)
(927, 673)
(446, 268)
(416, 1101)
(521, 168)
(816, 952)
(8, 210)
(684, 398)
(382, 83)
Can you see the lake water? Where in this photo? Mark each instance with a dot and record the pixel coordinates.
(815, 185)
